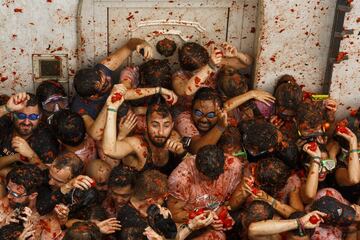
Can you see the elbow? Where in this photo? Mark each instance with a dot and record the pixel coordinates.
(353, 180)
(107, 151)
(310, 195)
(96, 137)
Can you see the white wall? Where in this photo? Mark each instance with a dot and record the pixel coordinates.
(34, 27)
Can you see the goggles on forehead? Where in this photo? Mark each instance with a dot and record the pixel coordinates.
(23, 116)
(328, 164)
(49, 105)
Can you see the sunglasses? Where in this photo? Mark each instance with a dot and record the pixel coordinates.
(328, 164)
(14, 194)
(31, 117)
(200, 114)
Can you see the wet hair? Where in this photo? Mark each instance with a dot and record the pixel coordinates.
(210, 161)
(155, 73)
(33, 101)
(70, 160)
(80, 200)
(49, 88)
(288, 93)
(290, 155)
(296, 232)
(338, 214)
(259, 135)
(92, 212)
(11, 231)
(29, 176)
(122, 176)
(157, 104)
(166, 47)
(163, 226)
(231, 136)
(205, 93)
(68, 127)
(45, 145)
(123, 110)
(83, 231)
(4, 99)
(132, 233)
(310, 113)
(192, 56)
(231, 82)
(272, 175)
(257, 211)
(150, 184)
(85, 82)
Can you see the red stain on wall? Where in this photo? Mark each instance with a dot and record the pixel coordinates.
(18, 10)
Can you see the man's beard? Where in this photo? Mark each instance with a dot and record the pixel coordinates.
(24, 132)
(15, 205)
(156, 143)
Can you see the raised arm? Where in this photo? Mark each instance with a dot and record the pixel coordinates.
(111, 147)
(96, 128)
(259, 95)
(137, 93)
(351, 175)
(15, 103)
(234, 58)
(308, 191)
(117, 58)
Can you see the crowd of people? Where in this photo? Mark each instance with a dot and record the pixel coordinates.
(150, 152)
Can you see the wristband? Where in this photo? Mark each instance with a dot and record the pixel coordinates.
(185, 226)
(316, 160)
(300, 227)
(112, 110)
(355, 151)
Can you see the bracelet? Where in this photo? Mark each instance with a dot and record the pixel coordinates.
(300, 227)
(185, 226)
(316, 160)
(112, 110)
(355, 151)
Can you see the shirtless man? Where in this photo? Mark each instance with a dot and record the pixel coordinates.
(151, 150)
